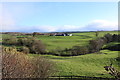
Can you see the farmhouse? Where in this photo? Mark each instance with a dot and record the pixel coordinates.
(60, 34)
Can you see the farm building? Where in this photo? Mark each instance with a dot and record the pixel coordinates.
(60, 34)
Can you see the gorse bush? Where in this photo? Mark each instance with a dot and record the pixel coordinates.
(18, 65)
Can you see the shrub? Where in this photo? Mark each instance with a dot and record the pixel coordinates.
(104, 40)
(79, 50)
(18, 65)
(26, 41)
(96, 45)
(93, 46)
(118, 58)
(35, 46)
(15, 64)
(108, 36)
(96, 33)
(113, 47)
(35, 33)
(42, 68)
(24, 49)
(9, 41)
(116, 37)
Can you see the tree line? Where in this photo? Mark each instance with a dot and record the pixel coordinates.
(31, 45)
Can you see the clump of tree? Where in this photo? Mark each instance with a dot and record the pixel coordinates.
(18, 65)
(109, 37)
(97, 33)
(30, 44)
(116, 38)
(96, 45)
(79, 50)
(35, 33)
(34, 46)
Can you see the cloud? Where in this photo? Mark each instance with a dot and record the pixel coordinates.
(101, 25)
(46, 28)
(69, 28)
(91, 26)
(57, 28)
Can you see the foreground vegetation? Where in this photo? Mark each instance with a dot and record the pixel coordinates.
(19, 65)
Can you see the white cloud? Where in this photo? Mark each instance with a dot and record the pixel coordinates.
(70, 28)
(46, 28)
(91, 26)
(101, 25)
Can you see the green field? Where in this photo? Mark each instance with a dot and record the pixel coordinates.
(84, 65)
(62, 42)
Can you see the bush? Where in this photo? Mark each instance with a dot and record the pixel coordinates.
(24, 49)
(116, 38)
(79, 50)
(42, 68)
(15, 64)
(35, 46)
(18, 65)
(118, 58)
(96, 45)
(108, 36)
(113, 47)
(9, 41)
(26, 41)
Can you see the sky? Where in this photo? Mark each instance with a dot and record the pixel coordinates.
(58, 16)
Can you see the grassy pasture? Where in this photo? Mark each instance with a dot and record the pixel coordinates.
(53, 42)
(85, 65)
(62, 42)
